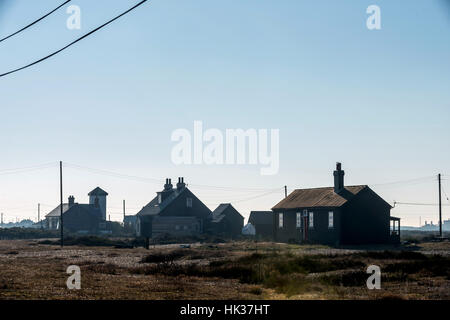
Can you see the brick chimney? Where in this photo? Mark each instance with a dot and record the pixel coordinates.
(71, 201)
(338, 178)
(180, 184)
(168, 186)
(168, 190)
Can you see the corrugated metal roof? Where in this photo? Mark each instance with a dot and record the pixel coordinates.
(318, 197)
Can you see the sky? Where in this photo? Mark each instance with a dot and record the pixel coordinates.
(376, 100)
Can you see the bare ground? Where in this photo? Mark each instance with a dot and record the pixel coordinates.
(29, 270)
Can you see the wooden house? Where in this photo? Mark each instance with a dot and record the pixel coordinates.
(335, 215)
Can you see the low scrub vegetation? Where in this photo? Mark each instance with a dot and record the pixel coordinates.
(94, 241)
(292, 274)
(26, 233)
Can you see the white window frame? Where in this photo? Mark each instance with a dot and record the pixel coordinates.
(280, 220)
(188, 202)
(311, 220)
(298, 219)
(330, 219)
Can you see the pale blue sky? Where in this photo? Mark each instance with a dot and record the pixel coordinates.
(379, 101)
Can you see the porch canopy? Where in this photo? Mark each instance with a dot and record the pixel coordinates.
(395, 225)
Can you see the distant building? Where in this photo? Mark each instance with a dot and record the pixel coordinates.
(446, 225)
(335, 215)
(248, 230)
(130, 221)
(97, 198)
(80, 218)
(227, 221)
(174, 211)
(263, 223)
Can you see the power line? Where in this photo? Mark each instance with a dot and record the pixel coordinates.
(259, 196)
(158, 180)
(34, 22)
(26, 169)
(73, 42)
(445, 194)
(418, 204)
(409, 181)
(22, 168)
(114, 174)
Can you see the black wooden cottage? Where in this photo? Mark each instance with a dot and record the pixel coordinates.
(174, 211)
(79, 218)
(335, 215)
(227, 221)
(263, 223)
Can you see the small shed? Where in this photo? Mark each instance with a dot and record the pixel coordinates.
(227, 221)
(263, 223)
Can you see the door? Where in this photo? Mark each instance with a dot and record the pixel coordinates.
(304, 226)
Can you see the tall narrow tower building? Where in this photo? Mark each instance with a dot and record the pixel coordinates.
(97, 197)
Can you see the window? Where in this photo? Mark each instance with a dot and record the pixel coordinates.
(330, 219)
(189, 202)
(299, 220)
(159, 198)
(311, 219)
(280, 220)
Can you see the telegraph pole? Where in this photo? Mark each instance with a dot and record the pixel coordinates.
(124, 212)
(440, 206)
(2, 217)
(39, 212)
(61, 202)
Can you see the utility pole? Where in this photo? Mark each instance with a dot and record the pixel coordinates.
(2, 217)
(285, 191)
(440, 207)
(39, 212)
(124, 211)
(61, 202)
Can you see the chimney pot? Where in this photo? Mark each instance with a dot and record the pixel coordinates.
(71, 201)
(338, 178)
(168, 185)
(180, 184)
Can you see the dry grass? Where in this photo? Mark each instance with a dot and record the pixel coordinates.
(236, 270)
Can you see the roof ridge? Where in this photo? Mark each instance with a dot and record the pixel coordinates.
(319, 197)
(331, 187)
